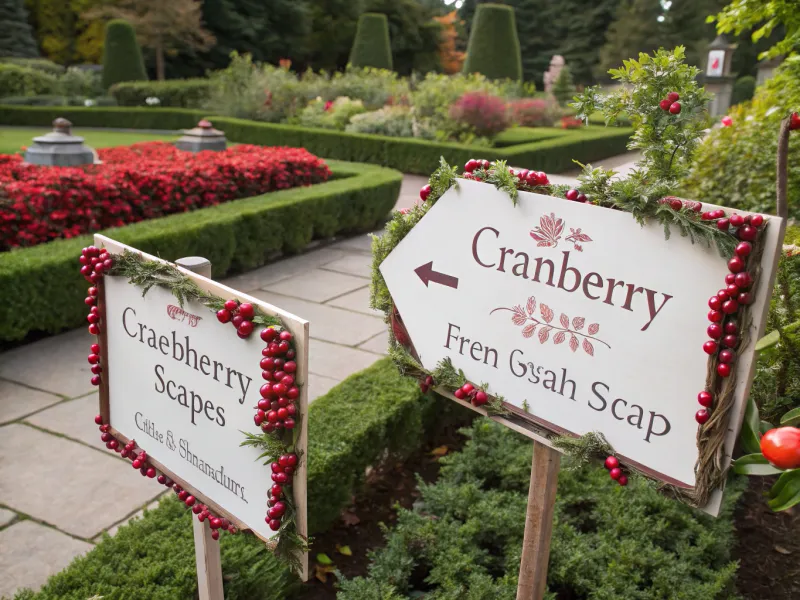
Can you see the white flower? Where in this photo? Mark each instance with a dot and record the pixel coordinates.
(88, 102)
(152, 101)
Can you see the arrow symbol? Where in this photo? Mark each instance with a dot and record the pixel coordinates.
(426, 274)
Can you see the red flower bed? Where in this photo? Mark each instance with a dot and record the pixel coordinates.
(138, 182)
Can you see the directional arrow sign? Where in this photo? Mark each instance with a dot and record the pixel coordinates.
(575, 311)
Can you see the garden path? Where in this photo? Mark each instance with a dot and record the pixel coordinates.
(60, 489)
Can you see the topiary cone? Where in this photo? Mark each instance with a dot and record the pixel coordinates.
(371, 47)
(493, 48)
(122, 57)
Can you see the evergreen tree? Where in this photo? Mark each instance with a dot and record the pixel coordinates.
(582, 27)
(493, 48)
(333, 28)
(636, 29)
(685, 25)
(122, 57)
(563, 88)
(371, 47)
(413, 33)
(16, 38)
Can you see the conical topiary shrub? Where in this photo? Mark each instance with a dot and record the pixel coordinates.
(371, 48)
(493, 48)
(122, 57)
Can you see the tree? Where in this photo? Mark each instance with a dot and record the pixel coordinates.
(122, 57)
(764, 17)
(64, 36)
(451, 59)
(563, 88)
(333, 27)
(413, 33)
(493, 48)
(581, 28)
(636, 29)
(161, 25)
(16, 38)
(685, 25)
(371, 47)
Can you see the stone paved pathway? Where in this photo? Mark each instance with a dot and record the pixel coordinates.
(48, 439)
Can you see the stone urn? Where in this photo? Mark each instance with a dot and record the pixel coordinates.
(60, 148)
(202, 137)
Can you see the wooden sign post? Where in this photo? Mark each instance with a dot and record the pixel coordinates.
(186, 385)
(577, 325)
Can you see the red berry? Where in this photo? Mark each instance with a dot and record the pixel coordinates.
(480, 398)
(727, 356)
(293, 392)
(615, 473)
(95, 380)
(664, 104)
(467, 388)
(98, 419)
(714, 331)
(714, 303)
(726, 121)
(136, 464)
(675, 108)
(247, 310)
(735, 264)
(744, 280)
(96, 369)
(276, 491)
(710, 347)
(485, 164)
(794, 122)
(93, 318)
(715, 316)
(106, 437)
(737, 220)
(459, 393)
(743, 249)
(572, 194)
(245, 328)
(723, 224)
(151, 472)
(675, 204)
(756, 220)
(223, 316)
(268, 334)
(471, 165)
(701, 416)
(237, 320)
(292, 460)
(744, 298)
(729, 307)
(274, 524)
(673, 97)
(747, 233)
(280, 508)
(88, 301)
(283, 347)
(216, 523)
(732, 290)
(623, 480)
(730, 341)
(289, 423)
(723, 295)
(424, 192)
(290, 366)
(611, 463)
(730, 278)
(705, 399)
(723, 369)
(231, 305)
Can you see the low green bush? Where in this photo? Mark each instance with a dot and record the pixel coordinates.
(526, 135)
(129, 118)
(42, 64)
(743, 89)
(173, 93)
(350, 428)
(33, 281)
(17, 80)
(464, 537)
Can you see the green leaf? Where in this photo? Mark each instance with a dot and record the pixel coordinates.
(792, 417)
(344, 550)
(769, 340)
(749, 436)
(788, 491)
(766, 426)
(324, 559)
(754, 464)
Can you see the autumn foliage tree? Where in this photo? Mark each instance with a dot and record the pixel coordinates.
(162, 25)
(452, 60)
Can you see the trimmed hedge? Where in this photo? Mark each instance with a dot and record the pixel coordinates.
(41, 288)
(371, 47)
(350, 428)
(16, 80)
(408, 155)
(122, 56)
(174, 93)
(493, 49)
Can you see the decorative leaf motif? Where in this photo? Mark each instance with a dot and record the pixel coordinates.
(559, 337)
(577, 323)
(518, 316)
(547, 312)
(594, 328)
(564, 321)
(587, 346)
(544, 333)
(549, 230)
(573, 343)
(531, 305)
(528, 331)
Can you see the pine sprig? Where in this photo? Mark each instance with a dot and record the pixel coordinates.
(500, 176)
(441, 180)
(590, 446)
(447, 375)
(495, 407)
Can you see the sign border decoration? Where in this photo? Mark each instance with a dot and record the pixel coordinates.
(737, 236)
(281, 424)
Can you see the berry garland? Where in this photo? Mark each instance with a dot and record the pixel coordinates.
(735, 236)
(276, 413)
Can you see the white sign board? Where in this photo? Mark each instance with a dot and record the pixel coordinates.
(716, 63)
(593, 322)
(185, 387)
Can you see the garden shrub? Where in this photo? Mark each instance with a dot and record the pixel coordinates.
(80, 82)
(735, 166)
(350, 428)
(464, 537)
(371, 47)
(493, 49)
(533, 112)
(175, 93)
(231, 235)
(330, 114)
(122, 57)
(16, 80)
(743, 89)
(393, 121)
(374, 87)
(525, 135)
(41, 64)
(479, 114)
(564, 88)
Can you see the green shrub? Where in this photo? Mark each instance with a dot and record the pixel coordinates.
(334, 114)
(564, 88)
(129, 118)
(16, 80)
(41, 64)
(392, 121)
(81, 82)
(464, 538)
(374, 87)
(493, 48)
(174, 93)
(122, 57)
(735, 166)
(230, 235)
(743, 89)
(350, 428)
(525, 135)
(371, 47)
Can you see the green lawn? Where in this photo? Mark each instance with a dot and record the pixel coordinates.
(14, 138)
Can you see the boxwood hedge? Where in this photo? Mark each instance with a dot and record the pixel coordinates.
(41, 289)
(552, 155)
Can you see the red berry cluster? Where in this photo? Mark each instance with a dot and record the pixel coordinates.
(139, 461)
(678, 204)
(470, 392)
(240, 315)
(276, 409)
(670, 104)
(724, 329)
(94, 264)
(282, 472)
(424, 192)
(574, 195)
(426, 384)
(614, 470)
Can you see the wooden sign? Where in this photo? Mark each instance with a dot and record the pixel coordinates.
(186, 387)
(578, 317)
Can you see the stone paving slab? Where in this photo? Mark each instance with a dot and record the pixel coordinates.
(30, 553)
(357, 301)
(328, 323)
(360, 243)
(74, 419)
(409, 190)
(56, 365)
(283, 269)
(337, 362)
(6, 516)
(317, 285)
(74, 488)
(359, 265)
(379, 344)
(17, 401)
(319, 385)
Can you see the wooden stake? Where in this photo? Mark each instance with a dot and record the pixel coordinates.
(538, 523)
